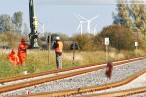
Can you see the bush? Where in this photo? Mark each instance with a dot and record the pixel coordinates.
(120, 37)
(9, 40)
(12, 40)
(3, 38)
(85, 42)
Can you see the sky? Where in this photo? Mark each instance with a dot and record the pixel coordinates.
(58, 15)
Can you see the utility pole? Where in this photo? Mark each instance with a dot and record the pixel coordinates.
(106, 44)
(33, 36)
(49, 48)
(136, 45)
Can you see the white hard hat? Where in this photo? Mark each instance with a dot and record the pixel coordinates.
(57, 38)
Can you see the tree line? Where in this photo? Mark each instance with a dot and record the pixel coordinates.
(12, 24)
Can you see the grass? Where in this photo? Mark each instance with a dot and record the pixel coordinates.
(38, 60)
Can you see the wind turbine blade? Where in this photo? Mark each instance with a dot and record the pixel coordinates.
(39, 21)
(94, 17)
(77, 17)
(82, 17)
(78, 27)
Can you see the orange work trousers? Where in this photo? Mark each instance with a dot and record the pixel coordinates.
(22, 57)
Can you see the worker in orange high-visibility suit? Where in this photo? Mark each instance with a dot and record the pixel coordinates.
(22, 51)
(13, 58)
(58, 46)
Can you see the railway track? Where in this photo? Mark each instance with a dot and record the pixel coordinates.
(85, 91)
(57, 77)
(2, 81)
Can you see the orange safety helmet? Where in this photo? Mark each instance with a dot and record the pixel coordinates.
(13, 51)
(22, 40)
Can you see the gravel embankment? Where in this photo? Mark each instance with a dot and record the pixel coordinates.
(136, 83)
(89, 79)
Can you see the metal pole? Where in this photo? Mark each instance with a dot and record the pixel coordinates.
(136, 45)
(106, 52)
(73, 53)
(106, 43)
(43, 29)
(49, 47)
(136, 51)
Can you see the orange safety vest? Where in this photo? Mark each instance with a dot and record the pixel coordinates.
(60, 47)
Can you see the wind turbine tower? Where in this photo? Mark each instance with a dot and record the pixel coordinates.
(42, 27)
(94, 30)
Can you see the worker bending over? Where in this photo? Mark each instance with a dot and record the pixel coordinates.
(13, 58)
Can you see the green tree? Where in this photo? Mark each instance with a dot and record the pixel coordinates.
(6, 23)
(85, 42)
(11, 38)
(139, 18)
(25, 31)
(123, 16)
(17, 20)
(132, 16)
(120, 37)
(63, 37)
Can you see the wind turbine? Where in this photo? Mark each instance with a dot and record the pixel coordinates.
(94, 30)
(80, 24)
(43, 27)
(88, 21)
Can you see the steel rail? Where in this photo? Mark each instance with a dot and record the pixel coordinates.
(122, 93)
(40, 81)
(4, 80)
(73, 92)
